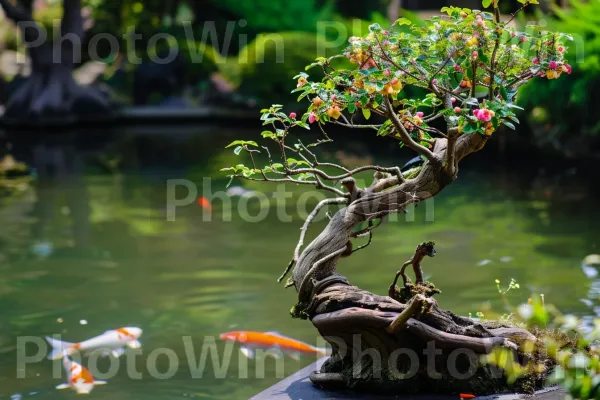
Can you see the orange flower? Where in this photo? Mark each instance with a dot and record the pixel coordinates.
(334, 112)
(489, 129)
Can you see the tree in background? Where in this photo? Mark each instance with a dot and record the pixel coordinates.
(470, 66)
(51, 93)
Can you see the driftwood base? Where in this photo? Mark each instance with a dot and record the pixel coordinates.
(382, 345)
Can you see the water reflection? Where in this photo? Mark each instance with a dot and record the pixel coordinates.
(104, 252)
(60, 189)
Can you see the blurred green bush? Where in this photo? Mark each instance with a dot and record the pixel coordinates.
(564, 112)
(280, 16)
(265, 68)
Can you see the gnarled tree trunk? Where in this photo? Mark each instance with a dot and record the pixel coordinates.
(357, 322)
(51, 94)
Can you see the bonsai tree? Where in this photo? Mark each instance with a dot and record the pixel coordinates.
(50, 93)
(468, 65)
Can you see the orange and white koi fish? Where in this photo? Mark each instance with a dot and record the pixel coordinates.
(110, 342)
(78, 378)
(250, 341)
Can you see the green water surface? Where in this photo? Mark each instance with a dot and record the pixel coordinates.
(95, 245)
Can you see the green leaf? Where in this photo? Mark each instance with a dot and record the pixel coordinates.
(486, 3)
(268, 135)
(374, 28)
(481, 91)
(351, 108)
(366, 113)
(511, 105)
(241, 143)
(402, 21)
(384, 129)
(509, 124)
(238, 150)
(470, 127)
(503, 93)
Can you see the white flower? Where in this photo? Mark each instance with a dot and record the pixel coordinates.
(525, 311)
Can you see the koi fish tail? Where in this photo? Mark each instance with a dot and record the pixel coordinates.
(323, 350)
(60, 349)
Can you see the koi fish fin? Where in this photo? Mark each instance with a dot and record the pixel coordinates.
(117, 352)
(295, 355)
(134, 344)
(100, 382)
(247, 351)
(60, 349)
(63, 386)
(274, 352)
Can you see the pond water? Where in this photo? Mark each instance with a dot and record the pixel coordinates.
(90, 249)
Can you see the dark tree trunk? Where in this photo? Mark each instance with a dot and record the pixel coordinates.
(356, 322)
(51, 94)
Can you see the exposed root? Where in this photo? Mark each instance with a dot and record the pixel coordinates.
(410, 290)
(417, 305)
(355, 321)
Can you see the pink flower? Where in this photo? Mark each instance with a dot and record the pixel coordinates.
(512, 34)
(569, 69)
(535, 60)
(386, 32)
(293, 115)
(420, 114)
(523, 39)
(312, 117)
(561, 49)
(475, 54)
(453, 100)
(457, 110)
(386, 72)
(458, 68)
(435, 81)
(552, 65)
(483, 114)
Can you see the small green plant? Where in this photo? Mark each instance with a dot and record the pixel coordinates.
(566, 339)
(511, 286)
